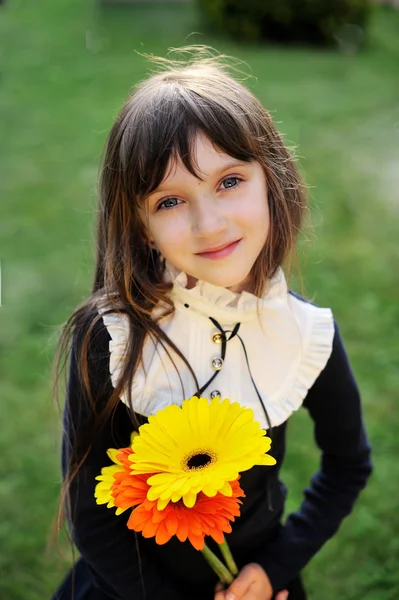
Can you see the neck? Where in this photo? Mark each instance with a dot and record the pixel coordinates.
(243, 286)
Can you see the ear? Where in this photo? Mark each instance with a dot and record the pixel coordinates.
(148, 239)
(153, 247)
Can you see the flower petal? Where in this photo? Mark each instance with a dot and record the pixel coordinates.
(166, 445)
(189, 499)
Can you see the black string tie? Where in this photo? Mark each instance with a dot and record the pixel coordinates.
(199, 392)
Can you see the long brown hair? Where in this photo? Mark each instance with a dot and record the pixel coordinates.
(191, 93)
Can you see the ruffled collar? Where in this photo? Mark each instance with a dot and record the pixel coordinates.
(220, 302)
(286, 353)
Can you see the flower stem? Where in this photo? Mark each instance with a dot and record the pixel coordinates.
(221, 571)
(228, 557)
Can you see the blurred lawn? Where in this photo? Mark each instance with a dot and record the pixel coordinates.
(66, 71)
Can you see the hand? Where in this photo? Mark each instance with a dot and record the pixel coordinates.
(252, 583)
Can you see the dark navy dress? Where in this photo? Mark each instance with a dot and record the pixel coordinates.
(117, 564)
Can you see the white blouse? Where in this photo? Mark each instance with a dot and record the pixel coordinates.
(288, 343)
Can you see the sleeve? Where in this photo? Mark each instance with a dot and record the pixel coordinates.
(107, 546)
(334, 405)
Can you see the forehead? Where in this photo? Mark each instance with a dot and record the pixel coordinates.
(206, 158)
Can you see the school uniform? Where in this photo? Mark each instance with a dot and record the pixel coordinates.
(273, 354)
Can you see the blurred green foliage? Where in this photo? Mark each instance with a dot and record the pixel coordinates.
(67, 68)
(310, 21)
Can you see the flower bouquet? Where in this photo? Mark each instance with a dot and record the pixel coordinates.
(180, 475)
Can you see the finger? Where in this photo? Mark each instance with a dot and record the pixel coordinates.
(246, 577)
(283, 595)
(219, 592)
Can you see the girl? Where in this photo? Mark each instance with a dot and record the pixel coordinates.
(200, 206)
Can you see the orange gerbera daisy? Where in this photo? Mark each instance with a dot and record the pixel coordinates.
(117, 487)
(209, 516)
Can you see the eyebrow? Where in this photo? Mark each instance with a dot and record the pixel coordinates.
(232, 164)
(226, 167)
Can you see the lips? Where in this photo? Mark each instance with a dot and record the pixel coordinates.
(225, 251)
(216, 248)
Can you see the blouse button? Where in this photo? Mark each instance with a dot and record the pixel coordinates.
(215, 393)
(217, 363)
(217, 338)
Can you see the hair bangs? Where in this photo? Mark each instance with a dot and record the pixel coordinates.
(173, 117)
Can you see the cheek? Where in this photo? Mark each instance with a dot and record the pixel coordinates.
(256, 216)
(169, 233)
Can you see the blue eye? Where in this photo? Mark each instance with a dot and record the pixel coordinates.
(162, 205)
(231, 179)
(229, 182)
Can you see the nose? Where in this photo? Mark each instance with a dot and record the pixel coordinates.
(208, 219)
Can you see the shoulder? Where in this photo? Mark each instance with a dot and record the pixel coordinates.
(301, 298)
(89, 323)
(338, 364)
(337, 342)
(337, 370)
(336, 381)
(90, 340)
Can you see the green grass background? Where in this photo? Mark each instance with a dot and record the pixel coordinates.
(67, 66)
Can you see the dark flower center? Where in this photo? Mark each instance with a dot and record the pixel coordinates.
(198, 461)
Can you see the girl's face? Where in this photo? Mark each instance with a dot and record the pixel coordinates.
(188, 217)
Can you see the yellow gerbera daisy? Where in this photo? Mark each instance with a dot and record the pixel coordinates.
(102, 492)
(198, 447)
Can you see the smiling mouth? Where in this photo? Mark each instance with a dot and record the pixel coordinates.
(218, 248)
(223, 252)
